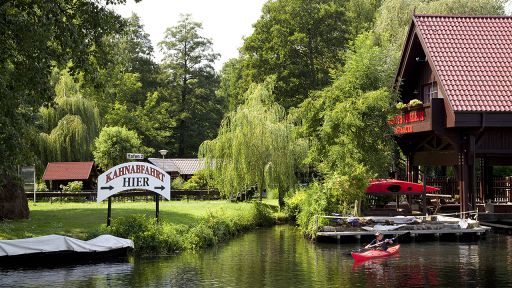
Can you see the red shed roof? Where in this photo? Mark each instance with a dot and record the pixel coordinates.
(472, 56)
(68, 170)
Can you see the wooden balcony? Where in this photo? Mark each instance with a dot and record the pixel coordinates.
(427, 117)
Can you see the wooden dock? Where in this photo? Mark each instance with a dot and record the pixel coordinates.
(442, 228)
(435, 232)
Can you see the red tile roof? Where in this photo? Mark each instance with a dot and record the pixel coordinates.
(68, 170)
(472, 56)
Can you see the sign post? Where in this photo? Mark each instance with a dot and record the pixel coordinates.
(157, 211)
(133, 176)
(109, 211)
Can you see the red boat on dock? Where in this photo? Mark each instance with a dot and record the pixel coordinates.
(392, 186)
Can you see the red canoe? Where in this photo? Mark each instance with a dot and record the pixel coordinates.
(389, 186)
(370, 254)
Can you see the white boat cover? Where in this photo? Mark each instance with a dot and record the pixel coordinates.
(55, 243)
(395, 219)
(382, 227)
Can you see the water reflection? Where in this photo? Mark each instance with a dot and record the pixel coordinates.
(281, 257)
(93, 275)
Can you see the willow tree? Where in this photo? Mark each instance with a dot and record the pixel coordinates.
(255, 146)
(69, 127)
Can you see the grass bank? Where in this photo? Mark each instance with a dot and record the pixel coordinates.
(183, 225)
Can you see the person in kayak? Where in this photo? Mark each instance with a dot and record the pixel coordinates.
(379, 242)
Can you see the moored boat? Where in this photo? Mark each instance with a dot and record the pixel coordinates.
(54, 250)
(374, 253)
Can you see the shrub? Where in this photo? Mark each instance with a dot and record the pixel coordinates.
(41, 186)
(200, 236)
(150, 237)
(200, 180)
(262, 215)
(177, 183)
(314, 203)
(293, 203)
(73, 186)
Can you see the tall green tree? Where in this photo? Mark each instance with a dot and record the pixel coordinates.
(113, 143)
(190, 84)
(298, 41)
(345, 123)
(35, 36)
(233, 84)
(127, 72)
(394, 16)
(255, 146)
(361, 15)
(125, 88)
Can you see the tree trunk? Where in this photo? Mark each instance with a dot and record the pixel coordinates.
(13, 202)
(280, 193)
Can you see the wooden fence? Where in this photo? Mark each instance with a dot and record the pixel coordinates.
(501, 187)
(123, 196)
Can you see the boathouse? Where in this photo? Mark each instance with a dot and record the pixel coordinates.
(455, 85)
(61, 173)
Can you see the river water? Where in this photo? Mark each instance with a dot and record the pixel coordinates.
(281, 257)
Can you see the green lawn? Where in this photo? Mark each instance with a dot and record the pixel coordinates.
(79, 219)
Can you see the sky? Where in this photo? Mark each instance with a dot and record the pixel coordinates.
(226, 22)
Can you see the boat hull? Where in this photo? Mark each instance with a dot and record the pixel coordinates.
(371, 254)
(63, 258)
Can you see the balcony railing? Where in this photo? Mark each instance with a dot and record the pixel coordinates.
(421, 118)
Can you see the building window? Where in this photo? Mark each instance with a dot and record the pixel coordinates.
(429, 92)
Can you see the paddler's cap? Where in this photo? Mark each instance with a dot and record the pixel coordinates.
(378, 233)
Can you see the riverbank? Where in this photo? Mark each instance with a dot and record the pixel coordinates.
(183, 225)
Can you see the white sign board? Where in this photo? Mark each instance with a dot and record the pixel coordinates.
(134, 175)
(134, 156)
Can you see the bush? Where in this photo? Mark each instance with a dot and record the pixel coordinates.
(73, 186)
(262, 215)
(272, 193)
(150, 237)
(41, 186)
(293, 203)
(200, 180)
(177, 183)
(314, 203)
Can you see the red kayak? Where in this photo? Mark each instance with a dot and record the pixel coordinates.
(390, 186)
(370, 254)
